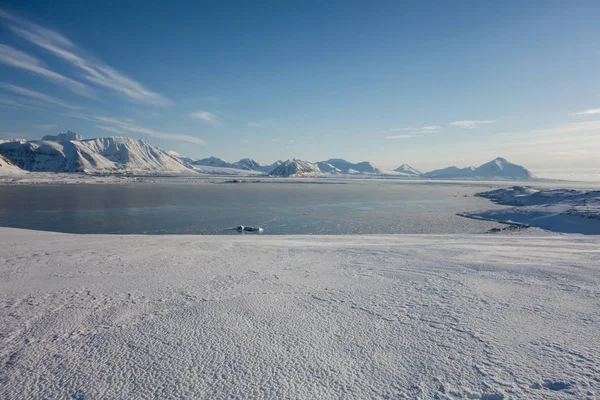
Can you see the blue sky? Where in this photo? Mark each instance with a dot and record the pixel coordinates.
(431, 84)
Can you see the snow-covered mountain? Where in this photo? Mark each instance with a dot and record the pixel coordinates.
(251, 165)
(347, 167)
(407, 170)
(498, 168)
(245, 164)
(101, 155)
(212, 162)
(63, 137)
(296, 168)
(450, 172)
(68, 152)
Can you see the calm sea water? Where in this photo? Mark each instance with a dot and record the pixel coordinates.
(360, 207)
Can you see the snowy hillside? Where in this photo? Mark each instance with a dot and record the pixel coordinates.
(100, 155)
(327, 168)
(296, 168)
(8, 168)
(499, 168)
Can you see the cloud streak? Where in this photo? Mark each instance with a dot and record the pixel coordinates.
(93, 71)
(414, 132)
(594, 111)
(36, 95)
(207, 117)
(10, 103)
(400, 137)
(17, 59)
(126, 126)
(471, 124)
(109, 129)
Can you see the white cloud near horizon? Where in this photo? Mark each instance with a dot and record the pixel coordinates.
(593, 111)
(94, 71)
(471, 124)
(36, 95)
(207, 117)
(17, 59)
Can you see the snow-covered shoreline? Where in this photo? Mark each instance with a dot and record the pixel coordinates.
(557, 210)
(400, 316)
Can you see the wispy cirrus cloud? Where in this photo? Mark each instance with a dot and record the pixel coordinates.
(420, 130)
(123, 126)
(593, 111)
(36, 95)
(94, 71)
(471, 124)
(11, 103)
(109, 129)
(17, 59)
(46, 127)
(400, 137)
(207, 117)
(414, 132)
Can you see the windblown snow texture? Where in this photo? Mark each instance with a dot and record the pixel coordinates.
(479, 317)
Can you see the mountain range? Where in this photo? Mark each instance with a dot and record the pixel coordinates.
(70, 152)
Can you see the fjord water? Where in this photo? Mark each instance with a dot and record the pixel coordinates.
(351, 207)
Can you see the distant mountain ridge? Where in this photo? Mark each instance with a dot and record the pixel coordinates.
(69, 152)
(497, 168)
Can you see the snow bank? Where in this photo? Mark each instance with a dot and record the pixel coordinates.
(483, 316)
(558, 210)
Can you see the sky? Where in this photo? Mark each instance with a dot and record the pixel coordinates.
(430, 84)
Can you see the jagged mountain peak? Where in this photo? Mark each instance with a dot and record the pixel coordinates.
(408, 170)
(63, 137)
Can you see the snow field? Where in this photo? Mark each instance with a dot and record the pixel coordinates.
(415, 316)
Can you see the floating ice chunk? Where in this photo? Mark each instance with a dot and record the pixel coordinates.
(243, 228)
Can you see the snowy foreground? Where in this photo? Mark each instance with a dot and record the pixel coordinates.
(415, 316)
